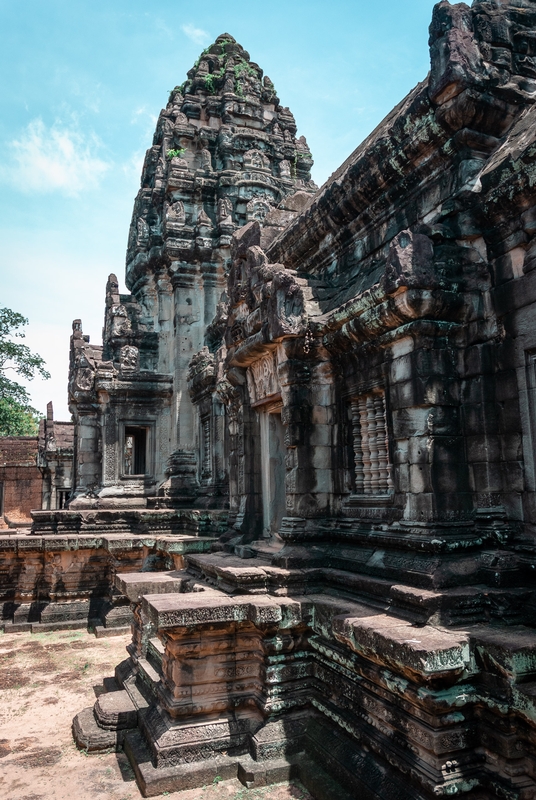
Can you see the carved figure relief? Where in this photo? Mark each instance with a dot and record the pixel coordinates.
(121, 324)
(84, 373)
(255, 159)
(179, 163)
(251, 85)
(229, 84)
(203, 220)
(143, 232)
(176, 213)
(284, 169)
(166, 125)
(84, 379)
(225, 210)
(257, 208)
(262, 378)
(159, 174)
(128, 358)
(205, 160)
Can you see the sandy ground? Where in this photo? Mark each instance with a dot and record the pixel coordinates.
(45, 679)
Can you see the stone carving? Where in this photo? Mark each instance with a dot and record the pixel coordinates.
(143, 232)
(203, 219)
(181, 119)
(257, 208)
(85, 375)
(262, 378)
(129, 358)
(256, 159)
(179, 164)
(284, 169)
(202, 361)
(160, 174)
(176, 213)
(121, 324)
(225, 210)
(205, 160)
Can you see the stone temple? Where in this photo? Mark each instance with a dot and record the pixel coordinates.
(304, 454)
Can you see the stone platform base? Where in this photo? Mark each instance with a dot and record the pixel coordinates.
(66, 581)
(152, 781)
(319, 686)
(252, 774)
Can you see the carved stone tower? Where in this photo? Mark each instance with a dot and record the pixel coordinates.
(224, 152)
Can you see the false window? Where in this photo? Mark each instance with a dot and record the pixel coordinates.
(371, 450)
(135, 451)
(62, 497)
(206, 448)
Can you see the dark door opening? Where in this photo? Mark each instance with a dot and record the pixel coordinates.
(134, 456)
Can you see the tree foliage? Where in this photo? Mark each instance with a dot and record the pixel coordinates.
(17, 417)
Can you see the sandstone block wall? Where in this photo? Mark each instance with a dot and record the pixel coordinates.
(20, 479)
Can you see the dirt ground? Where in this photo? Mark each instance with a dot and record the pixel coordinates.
(45, 679)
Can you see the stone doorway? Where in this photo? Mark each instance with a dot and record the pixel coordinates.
(272, 469)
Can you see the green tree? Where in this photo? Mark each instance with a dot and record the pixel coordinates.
(17, 417)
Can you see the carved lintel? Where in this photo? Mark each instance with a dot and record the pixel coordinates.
(262, 378)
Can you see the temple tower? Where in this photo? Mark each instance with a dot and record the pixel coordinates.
(224, 153)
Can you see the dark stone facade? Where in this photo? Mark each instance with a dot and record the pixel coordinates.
(224, 153)
(351, 392)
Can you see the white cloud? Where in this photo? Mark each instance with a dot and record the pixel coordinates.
(197, 35)
(161, 26)
(56, 158)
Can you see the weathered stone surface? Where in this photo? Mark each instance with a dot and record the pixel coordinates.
(91, 737)
(224, 155)
(115, 711)
(20, 480)
(69, 580)
(344, 381)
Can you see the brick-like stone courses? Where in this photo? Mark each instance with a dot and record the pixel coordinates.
(55, 458)
(224, 152)
(20, 478)
(261, 686)
(61, 581)
(368, 616)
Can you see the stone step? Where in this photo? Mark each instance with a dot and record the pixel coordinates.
(89, 735)
(66, 625)
(17, 627)
(115, 711)
(147, 672)
(252, 774)
(102, 633)
(154, 781)
(136, 584)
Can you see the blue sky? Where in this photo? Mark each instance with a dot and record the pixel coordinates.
(82, 84)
